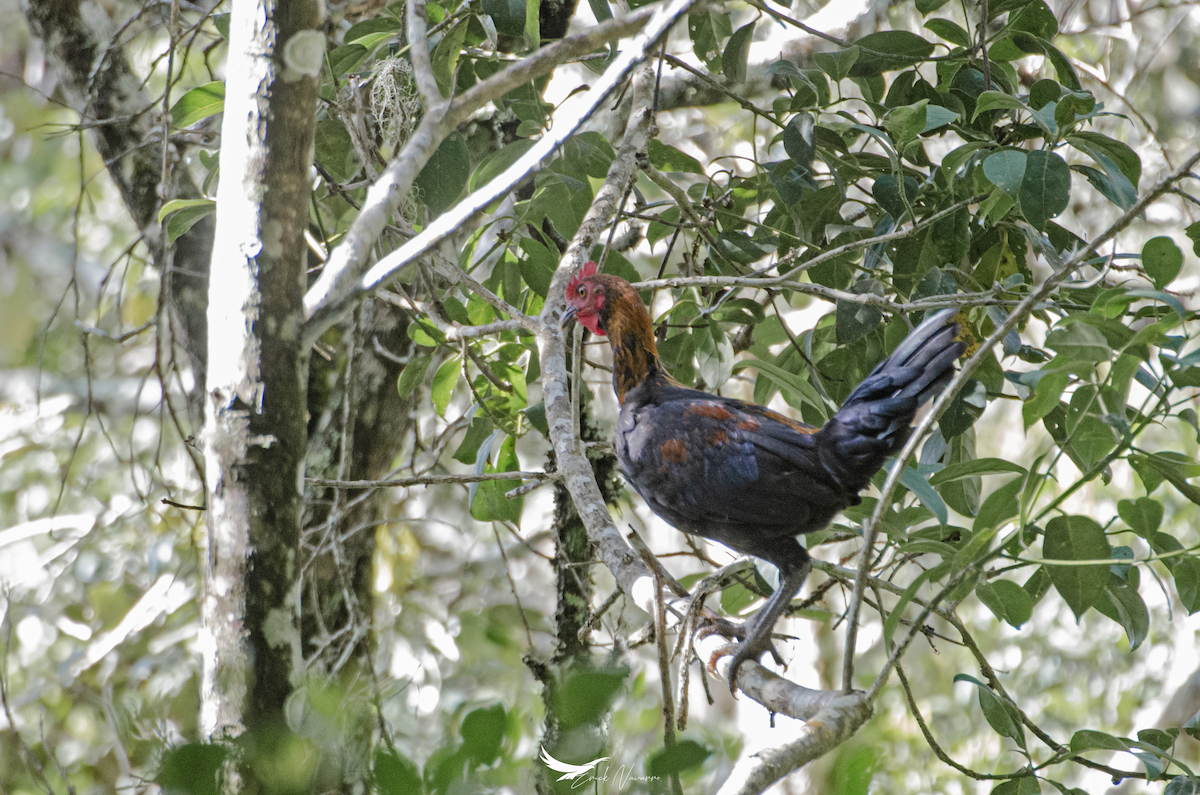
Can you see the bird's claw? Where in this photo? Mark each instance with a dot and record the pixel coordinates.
(751, 646)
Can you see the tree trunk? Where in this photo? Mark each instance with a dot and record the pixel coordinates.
(255, 435)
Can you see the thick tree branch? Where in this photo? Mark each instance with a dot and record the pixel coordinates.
(341, 284)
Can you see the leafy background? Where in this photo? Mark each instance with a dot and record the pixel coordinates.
(1089, 105)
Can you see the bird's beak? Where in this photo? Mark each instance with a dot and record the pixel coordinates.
(567, 316)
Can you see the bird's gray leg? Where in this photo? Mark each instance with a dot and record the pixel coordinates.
(794, 565)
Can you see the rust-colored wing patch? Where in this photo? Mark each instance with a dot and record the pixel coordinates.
(712, 410)
(674, 451)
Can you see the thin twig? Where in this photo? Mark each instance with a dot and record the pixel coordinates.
(428, 480)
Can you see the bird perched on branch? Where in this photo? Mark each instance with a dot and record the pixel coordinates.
(739, 473)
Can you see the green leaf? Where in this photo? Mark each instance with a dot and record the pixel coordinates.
(1091, 740)
(1162, 740)
(837, 65)
(600, 10)
(1077, 538)
(950, 31)
(1001, 715)
(1143, 515)
(412, 374)
(999, 506)
(538, 266)
(370, 27)
(1006, 169)
(1045, 188)
(795, 383)
(444, 381)
(587, 154)
(587, 694)
(854, 320)
(937, 116)
(657, 230)
(1035, 17)
(1176, 469)
(682, 756)
(1182, 785)
(1038, 584)
(192, 769)
(490, 503)
(334, 150)
(893, 195)
(483, 731)
(798, 139)
(425, 334)
(221, 23)
(396, 774)
(1112, 186)
(183, 214)
(347, 58)
(1126, 159)
(912, 480)
(1022, 785)
(978, 466)
(444, 59)
(707, 29)
(1009, 601)
(737, 51)
(953, 161)
(966, 407)
(199, 103)
(1193, 233)
(889, 50)
(480, 429)
(533, 24)
(1162, 260)
(714, 354)
(496, 162)
(906, 121)
(667, 158)
(1122, 603)
(1063, 68)
(997, 100)
(508, 15)
(1044, 92)
(1186, 572)
(736, 598)
(1091, 437)
(1080, 342)
(1045, 397)
(446, 173)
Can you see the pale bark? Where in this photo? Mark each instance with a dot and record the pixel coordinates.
(254, 437)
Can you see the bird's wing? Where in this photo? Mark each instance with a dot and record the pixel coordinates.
(711, 465)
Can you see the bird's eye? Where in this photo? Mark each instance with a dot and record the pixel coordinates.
(581, 291)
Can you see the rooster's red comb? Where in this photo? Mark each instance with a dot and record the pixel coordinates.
(589, 269)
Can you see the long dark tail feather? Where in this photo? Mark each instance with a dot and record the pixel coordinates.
(875, 420)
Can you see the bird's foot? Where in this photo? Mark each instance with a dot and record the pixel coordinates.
(751, 645)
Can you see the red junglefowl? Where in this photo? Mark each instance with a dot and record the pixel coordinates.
(742, 474)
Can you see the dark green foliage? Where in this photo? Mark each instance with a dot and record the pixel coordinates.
(868, 140)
